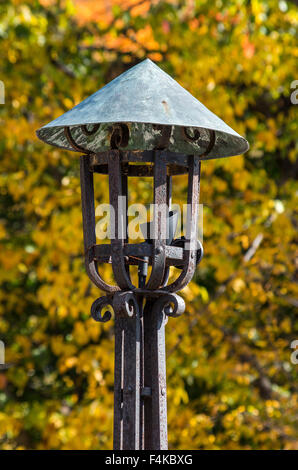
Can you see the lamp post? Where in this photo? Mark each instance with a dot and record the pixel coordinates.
(142, 124)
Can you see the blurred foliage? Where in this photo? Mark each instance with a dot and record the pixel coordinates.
(231, 384)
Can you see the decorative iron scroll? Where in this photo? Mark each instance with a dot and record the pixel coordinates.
(125, 305)
(196, 136)
(72, 142)
(85, 131)
(171, 305)
(89, 132)
(211, 142)
(97, 307)
(191, 138)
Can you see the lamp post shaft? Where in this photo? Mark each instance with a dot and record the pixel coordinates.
(140, 403)
(155, 432)
(127, 388)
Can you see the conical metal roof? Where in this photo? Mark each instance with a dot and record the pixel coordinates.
(145, 98)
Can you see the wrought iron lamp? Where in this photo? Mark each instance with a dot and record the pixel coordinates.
(143, 123)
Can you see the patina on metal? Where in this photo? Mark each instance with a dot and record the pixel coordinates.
(157, 111)
(143, 123)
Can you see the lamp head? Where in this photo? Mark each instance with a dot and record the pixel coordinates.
(143, 109)
(142, 123)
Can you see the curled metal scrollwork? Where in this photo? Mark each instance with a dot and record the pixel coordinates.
(72, 142)
(125, 304)
(89, 132)
(191, 138)
(196, 136)
(171, 305)
(212, 138)
(120, 136)
(97, 307)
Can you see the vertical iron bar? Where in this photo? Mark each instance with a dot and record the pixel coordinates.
(190, 246)
(88, 209)
(169, 191)
(88, 212)
(127, 330)
(118, 384)
(131, 384)
(117, 244)
(159, 222)
(142, 274)
(169, 204)
(155, 378)
(154, 323)
(124, 192)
